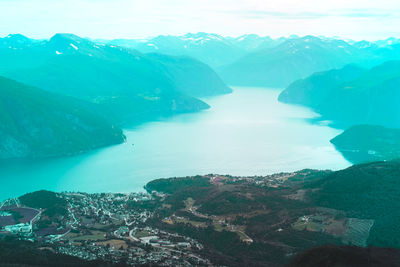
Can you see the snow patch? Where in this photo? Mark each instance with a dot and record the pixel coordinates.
(73, 46)
(153, 45)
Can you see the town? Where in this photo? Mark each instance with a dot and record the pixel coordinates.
(139, 228)
(101, 226)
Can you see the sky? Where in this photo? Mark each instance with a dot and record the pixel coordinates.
(110, 19)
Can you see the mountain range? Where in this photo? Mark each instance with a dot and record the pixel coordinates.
(252, 60)
(212, 49)
(129, 85)
(127, 82)
(300, 57)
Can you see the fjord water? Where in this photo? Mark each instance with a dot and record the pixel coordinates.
(247, 132)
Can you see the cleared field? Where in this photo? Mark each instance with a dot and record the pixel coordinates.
(100, 226)
(6, 220)
(189, 202)
(95, 235)
(320, 223)
(115, 243)
(194, 223)
(141, 234)
(24, 215)
(357, 231)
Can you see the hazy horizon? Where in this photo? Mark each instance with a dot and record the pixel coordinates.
(225, 36)
(112, 19)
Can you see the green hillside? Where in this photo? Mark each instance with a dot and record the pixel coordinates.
(356, 206)
(368, 191)
(35, 123)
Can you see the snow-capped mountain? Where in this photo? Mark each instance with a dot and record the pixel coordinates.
(297, 58)
(213, 49)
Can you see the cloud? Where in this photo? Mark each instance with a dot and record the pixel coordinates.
(356, 13)
(139, 18)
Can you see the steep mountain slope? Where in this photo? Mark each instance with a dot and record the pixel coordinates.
(131, 86)
(34, 124)
(371, 98)
(193, 77)
(316, 88)
(366, 143)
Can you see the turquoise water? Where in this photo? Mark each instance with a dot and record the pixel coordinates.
(245, 133)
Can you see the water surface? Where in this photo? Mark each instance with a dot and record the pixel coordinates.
(247, 132)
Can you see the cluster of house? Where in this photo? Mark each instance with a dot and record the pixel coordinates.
(18, 220)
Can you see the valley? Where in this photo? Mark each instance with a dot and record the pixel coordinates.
(199, 150)
(247, 132)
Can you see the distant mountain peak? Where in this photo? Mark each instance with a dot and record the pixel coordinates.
(202, 37)
(15, 41)
(18, 37)
(67, 38)
(65, 42)
(309, 38)
(364, 44)
(252, 37)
